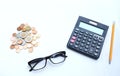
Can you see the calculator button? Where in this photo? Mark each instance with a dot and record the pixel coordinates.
(80, 33)
(77, 43)
(76, 46)
(71, 44)
(74, 34)
(85, 35)
(81, 44)
(80, 36)
(101, 39)
(83, 41)
(89, 40)
(84, 38)
(86, 46)
(98, 47)
(85, 50)
(91, 50)
(90, 37)
(77, 29)
(80, 48)
(94, 42)
(96, 54)
(98, 43)
(72, 40)
(90, 34)
(95, 37)
(88, 43)
(73, 37)
(93, 45)
(97, 50)
(78, 39)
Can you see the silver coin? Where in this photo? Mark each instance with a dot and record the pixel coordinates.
(28, 39)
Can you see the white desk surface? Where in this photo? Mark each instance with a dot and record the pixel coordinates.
(55, 20)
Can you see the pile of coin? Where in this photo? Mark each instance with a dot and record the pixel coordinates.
(26, 38)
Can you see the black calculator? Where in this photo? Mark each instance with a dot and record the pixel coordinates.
(88, 37)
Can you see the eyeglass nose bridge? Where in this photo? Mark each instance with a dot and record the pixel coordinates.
(59, 58)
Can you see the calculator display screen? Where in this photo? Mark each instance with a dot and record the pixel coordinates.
(91, 28)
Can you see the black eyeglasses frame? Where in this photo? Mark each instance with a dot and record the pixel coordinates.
(38, 60)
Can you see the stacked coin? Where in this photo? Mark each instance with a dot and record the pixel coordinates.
(26, 38)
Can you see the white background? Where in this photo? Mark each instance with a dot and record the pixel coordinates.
(55, 20)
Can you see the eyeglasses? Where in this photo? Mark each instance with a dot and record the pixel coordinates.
(40, 63)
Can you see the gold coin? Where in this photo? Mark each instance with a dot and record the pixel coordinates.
(28, 28)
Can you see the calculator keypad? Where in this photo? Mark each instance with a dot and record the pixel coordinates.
(86, 42)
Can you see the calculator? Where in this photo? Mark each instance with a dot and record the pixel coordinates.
(88, 37)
